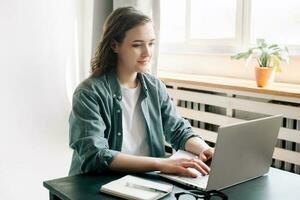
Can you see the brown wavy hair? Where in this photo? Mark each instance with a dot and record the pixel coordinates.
(115, 27)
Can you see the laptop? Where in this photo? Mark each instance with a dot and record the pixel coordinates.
(243, 152)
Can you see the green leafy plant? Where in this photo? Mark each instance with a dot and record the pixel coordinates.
(267, 55)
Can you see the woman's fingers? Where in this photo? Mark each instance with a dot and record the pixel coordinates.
(188, 173)
(178, 169)
(203, 157)
(183, 167)
(202, 165)
(196, 164)
(207, 154)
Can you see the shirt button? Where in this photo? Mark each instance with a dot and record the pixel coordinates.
(114, 96)
(119, 134)
(118, 111)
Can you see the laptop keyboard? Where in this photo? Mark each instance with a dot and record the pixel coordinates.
(200, 181)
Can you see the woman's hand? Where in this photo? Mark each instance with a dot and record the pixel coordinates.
(207, 154)
(180, 166)
(198, 146)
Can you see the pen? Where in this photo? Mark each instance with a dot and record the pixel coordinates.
(148, 188)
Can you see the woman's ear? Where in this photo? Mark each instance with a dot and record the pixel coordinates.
(114, 46)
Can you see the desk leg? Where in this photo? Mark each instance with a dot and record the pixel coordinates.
(53, 196)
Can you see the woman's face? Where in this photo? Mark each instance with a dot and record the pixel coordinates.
(135, 52)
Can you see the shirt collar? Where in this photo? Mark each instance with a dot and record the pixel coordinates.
(116, 88)
(141, 78)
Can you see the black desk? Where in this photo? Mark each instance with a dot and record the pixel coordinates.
(277, 185)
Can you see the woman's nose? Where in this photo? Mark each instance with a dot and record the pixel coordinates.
(146, 51)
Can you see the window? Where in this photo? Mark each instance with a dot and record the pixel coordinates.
(280, 23)
(223, 26)
(212, 19)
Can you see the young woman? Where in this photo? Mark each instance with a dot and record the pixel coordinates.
(122, 115)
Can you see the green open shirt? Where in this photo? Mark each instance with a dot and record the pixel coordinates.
(96, 121)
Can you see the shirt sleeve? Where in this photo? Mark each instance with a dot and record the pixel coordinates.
(177, 130)
(87, 133)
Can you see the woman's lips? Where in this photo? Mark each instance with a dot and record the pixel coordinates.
(143, 62)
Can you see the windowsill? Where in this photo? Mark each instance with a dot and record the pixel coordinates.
(224, 66)
(276, 88)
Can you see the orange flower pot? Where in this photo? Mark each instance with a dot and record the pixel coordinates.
(264, 75)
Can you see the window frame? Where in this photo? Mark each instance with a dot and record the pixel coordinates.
(215, 42)
(241, 41)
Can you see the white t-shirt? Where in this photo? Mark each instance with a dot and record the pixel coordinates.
(133, 122)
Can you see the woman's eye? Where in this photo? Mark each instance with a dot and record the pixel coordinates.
(136, 45)
(140, 45)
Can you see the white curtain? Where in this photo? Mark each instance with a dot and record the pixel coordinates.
(152, 9)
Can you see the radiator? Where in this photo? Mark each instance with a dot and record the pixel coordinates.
(207, 108)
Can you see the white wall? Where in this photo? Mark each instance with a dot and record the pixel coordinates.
(45, 51)
(37, 64)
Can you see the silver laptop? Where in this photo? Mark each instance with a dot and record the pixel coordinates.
(243, 151)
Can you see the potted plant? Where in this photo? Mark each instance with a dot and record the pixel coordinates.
(268, 56)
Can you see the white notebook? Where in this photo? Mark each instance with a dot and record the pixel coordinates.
(132, 187)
